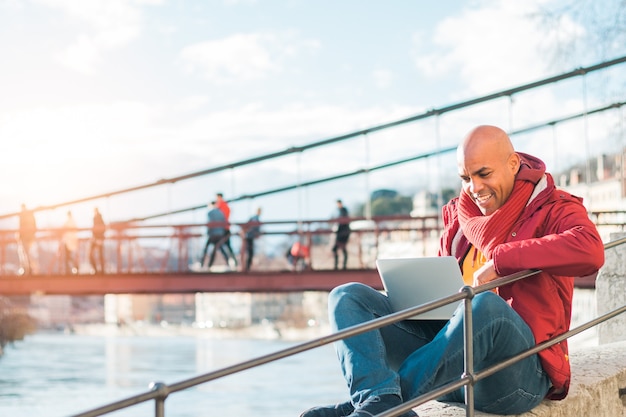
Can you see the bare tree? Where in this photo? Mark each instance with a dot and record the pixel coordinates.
(589, 28)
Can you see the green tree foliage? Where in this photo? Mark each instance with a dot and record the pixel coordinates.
(387, 203)
(390, 206)
(448, 194)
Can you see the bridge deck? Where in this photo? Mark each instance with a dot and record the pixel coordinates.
(189, 282)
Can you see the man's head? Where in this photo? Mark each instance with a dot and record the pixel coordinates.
(487, 165)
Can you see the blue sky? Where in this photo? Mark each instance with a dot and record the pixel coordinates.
(101, 95)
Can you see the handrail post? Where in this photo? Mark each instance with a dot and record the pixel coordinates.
(468, 333)
(3, 245)
(178, 236)
(159, 402)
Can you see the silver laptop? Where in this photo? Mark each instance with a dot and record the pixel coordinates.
(410, 282)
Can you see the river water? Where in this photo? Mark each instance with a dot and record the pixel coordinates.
(56, 374)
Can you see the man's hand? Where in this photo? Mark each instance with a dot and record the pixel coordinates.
(486, 273)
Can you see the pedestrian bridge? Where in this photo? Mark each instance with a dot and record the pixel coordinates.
(160, 259)
(142, 257)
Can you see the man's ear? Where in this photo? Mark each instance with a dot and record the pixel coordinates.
(514, 162)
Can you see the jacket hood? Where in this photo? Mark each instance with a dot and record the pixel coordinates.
(531, 168)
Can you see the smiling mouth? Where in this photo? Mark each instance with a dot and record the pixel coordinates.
(482, 199)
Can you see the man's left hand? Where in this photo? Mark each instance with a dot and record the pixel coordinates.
(485, 274)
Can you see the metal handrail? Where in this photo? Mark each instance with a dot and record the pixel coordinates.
(160, 391)
(474, 377)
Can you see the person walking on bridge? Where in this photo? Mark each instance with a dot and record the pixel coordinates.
(342, 234)
(253, 231)
(216, 234)
(26, 238)
(96, 249)
(70, 244)
(509, 217)
(226, 248)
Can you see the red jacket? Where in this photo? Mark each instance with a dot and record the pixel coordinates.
(553, 234)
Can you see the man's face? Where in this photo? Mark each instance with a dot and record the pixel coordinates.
(488, 177)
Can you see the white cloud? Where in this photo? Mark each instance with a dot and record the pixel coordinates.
(109, 24)
(82, 56)
(237, 2)
(495, 45)
(72, 146)
(92, 148)
(499, 44)
(242, 57)
(383, 78)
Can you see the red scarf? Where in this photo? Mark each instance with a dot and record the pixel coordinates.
(487, 232)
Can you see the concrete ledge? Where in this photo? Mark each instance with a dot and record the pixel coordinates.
(598, 374)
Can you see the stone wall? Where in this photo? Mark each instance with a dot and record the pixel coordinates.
(611, 292)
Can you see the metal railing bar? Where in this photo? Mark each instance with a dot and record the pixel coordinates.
(468, 348)
(505, 280)
(430, 395)
(554, 122)
(291, 187)
(378, 167)
(161, 390)
(324, 340)
(471, 378)
(614, 243)
(121, 404)
(557, 339)
(348, 332)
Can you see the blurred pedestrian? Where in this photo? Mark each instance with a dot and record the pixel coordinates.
(70, 244)
(342, 234)
(299, 256)
(252, 232)
(216, 234)
(96, 249)
(26, 238)
(226, 248)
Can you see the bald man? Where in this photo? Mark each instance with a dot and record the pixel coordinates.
(509, 217)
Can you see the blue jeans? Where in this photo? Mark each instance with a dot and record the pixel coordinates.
(412, 357)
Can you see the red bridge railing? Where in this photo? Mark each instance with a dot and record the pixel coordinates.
(166, 248)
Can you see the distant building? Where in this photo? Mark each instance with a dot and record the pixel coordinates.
(425, 203)
(601, 183)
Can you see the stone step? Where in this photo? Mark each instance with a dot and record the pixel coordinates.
(598, 379)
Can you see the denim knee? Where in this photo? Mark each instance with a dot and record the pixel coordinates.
(488, 304)
(356, 299)
(354, 290)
